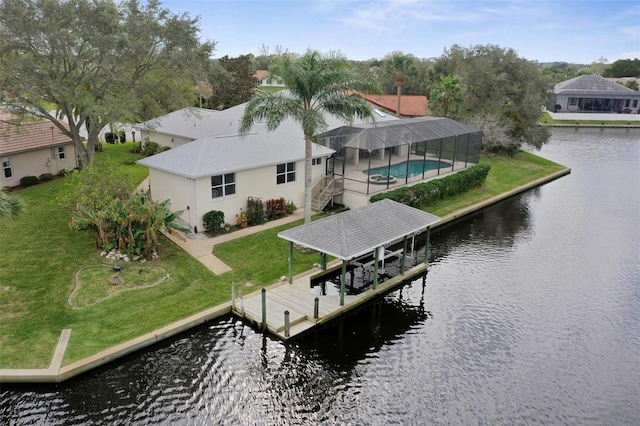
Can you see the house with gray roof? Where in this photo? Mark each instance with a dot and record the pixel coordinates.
(593, 93)
(212, 167)
(215, 168)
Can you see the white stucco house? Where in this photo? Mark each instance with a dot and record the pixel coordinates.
(212, 167)
(188, 124)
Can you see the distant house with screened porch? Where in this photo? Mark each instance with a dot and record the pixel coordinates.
(33, 149)
(220, 170)
(593, 93)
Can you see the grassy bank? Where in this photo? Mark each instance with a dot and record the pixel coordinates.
(40, 255)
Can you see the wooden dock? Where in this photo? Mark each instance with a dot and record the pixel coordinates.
(298, 299)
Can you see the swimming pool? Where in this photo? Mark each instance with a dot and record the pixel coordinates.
(416, 167)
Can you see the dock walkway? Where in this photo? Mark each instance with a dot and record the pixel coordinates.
(298, 299)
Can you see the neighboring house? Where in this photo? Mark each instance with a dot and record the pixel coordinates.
(410, 105)
(593, 93)
(221, 170)
(265, 79)
(33, 149)
(188, 124)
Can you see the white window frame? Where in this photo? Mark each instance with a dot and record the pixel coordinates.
(6, 166)
(225, 187)
(285, 172)
(316, 161)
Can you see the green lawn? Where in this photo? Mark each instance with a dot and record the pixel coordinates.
(40, 255)
(506, 173)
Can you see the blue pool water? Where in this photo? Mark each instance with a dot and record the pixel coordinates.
(416, 168)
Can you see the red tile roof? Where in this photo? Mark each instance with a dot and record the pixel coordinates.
(15, 138)
(410, 105)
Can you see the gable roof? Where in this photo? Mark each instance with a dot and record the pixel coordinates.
(410, 105)
(591, 85)
(261, 74)
(16, 138)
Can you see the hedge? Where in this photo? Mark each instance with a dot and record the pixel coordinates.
(423, 194)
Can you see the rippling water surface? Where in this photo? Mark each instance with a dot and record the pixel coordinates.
(530, 314)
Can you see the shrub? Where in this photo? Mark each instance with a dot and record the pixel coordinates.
(122, 136)
(213, 221)
(110, 137)
(150, 148)
(29, 181)
(291, 207)
(135, 150)
(276, 208)
(426, 193)
(45, 177)
(63, 172)
(255, 211)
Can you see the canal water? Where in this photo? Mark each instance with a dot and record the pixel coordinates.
(530, 314)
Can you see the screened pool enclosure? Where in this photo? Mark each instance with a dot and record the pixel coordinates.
(372, 157)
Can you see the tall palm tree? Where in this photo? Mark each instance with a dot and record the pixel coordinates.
(400, 66)
(10, 204)
(317, 84)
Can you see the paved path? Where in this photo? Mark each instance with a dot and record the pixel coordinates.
(202, 249)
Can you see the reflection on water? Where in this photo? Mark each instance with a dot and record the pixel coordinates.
(530, 313)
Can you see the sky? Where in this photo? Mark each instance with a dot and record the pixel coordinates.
(571, 31)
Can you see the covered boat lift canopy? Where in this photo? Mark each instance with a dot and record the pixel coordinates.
(354, 233)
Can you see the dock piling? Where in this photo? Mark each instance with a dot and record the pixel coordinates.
(241, 302)
(264, 310)
(286, 324)
(316, 307)
(233, 296)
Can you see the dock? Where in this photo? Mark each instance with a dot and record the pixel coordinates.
(298, 299)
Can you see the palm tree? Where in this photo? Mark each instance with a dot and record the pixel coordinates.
(400, 66)
(447, 96)
(10, 204)
(317, 84)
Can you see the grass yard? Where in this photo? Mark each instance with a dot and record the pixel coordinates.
(506, 173)
(40, 256)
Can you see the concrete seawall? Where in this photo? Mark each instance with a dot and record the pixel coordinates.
(57, 373)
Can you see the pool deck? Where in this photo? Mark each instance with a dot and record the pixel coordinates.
(56, 373)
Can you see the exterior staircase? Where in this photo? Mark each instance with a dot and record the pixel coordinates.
(324, 190)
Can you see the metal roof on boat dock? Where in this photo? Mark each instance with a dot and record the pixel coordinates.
(353, 233)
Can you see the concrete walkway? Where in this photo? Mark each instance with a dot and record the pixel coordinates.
(202, 249)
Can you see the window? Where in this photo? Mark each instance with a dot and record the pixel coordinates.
(573, 101)
(285, 173)
(223, 185)
(316, 161)
(635, 103)
(62, 154)
(6, 166)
